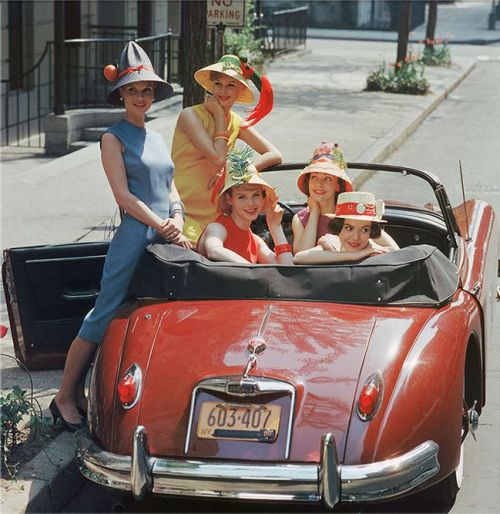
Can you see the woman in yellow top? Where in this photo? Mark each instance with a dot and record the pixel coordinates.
(205, 133)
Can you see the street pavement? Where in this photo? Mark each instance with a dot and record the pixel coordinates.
(319, 96)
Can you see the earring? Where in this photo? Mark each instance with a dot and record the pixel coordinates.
(121, 99)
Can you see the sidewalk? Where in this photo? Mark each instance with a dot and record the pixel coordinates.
(319, 96)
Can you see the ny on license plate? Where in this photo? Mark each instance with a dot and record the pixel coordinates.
(249, 422)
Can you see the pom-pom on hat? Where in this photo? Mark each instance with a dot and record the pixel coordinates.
(358, 205)
(237, 68)
(236, 173)
(134, 66)
(327, 158)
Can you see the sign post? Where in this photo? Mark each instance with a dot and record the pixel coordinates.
(222, 14)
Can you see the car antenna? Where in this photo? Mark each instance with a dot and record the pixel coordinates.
(463, 196)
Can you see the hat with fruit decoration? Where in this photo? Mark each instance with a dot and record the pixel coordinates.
(238, 69)
(236, 173)
(327, 158)
(134, 66)
(359, 206)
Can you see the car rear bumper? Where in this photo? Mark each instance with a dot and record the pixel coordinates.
(328, 481)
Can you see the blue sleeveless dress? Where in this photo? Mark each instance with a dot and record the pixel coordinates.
(149, 170)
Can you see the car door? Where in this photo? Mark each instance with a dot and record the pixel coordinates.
(48, 291)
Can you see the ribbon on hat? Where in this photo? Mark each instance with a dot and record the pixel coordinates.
(134, 68)
(355, 209)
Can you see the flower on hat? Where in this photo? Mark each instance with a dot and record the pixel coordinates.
(332, 152)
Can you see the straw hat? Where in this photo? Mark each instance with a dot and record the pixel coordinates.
(237, 68)
(229, 65)
(359, 206)
(327, 158)
(237, 174)
(134, 66)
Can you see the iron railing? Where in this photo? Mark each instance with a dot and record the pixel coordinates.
(86, 58)
(286, 30)
(23, 109)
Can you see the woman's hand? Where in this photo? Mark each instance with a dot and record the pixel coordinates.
(274, 215)
(214, 107)
(170, 229)
(329, 243)
(314, 207)
(183, 241)
(375, 249)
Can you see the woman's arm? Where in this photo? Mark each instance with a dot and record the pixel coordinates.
(190, 124)
(114, 167)
(306, 237)
(215, 235)
(274, 215)
(269, 154)
(177, 220)
(318, 255)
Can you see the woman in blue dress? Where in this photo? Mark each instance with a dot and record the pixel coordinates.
(139, 169)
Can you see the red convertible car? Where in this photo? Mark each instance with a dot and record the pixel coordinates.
(332, 383)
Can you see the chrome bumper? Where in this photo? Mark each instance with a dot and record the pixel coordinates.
(328, 481)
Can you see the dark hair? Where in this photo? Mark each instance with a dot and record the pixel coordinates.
(340, 183)
(336, 224)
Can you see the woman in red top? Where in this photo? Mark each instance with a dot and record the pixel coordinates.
(244, 196)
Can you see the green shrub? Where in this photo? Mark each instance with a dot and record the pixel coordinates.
(406, 77)
(13, 407)
(436, 55)
(242, 42)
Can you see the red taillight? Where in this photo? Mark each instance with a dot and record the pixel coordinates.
(370, 398)
(130, 387)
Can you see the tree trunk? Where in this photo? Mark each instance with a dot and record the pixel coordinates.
(193, 49)
(430, 32)
(403, 31)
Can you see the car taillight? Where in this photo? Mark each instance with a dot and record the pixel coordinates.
(130, 386)
(370, 397)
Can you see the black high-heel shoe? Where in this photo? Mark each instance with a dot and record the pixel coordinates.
(56, 414)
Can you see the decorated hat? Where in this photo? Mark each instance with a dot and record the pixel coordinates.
(134, 66)
(327, 158)
(236, 173)
(237, 68)
(357, 205)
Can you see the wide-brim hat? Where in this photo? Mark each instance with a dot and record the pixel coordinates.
(135, 66)
(249, 179)
(358, 205)
(229, 65)
(327, 158)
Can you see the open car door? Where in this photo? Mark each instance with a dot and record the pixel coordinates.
(48, 291)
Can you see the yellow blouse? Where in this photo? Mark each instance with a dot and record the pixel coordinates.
(194, 172)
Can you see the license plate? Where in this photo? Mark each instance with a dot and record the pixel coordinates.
(249, 422)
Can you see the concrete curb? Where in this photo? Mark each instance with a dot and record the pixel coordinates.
(382, 148)
(30, 493)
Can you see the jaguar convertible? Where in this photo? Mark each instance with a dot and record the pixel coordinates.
(330, 383)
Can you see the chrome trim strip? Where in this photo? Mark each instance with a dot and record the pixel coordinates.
(262, 386)
(141, 479)
(328, 482)
(329, 472)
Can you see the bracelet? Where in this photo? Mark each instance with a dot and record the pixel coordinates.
(178, 211)
(284, 248)
(224, 133)
(221, 137)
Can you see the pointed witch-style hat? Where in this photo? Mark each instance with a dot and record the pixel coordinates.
(134, 66)
(239, 69)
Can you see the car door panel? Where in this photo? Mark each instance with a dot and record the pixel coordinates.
(49, 290)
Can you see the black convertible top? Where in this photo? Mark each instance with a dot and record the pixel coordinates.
(417, 275)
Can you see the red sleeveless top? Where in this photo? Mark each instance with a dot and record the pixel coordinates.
(242, 242)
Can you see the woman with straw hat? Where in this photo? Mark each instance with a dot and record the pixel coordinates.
(322, 181)
(357, 222)
(205, 133)
(243, 197)
(140, 172)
